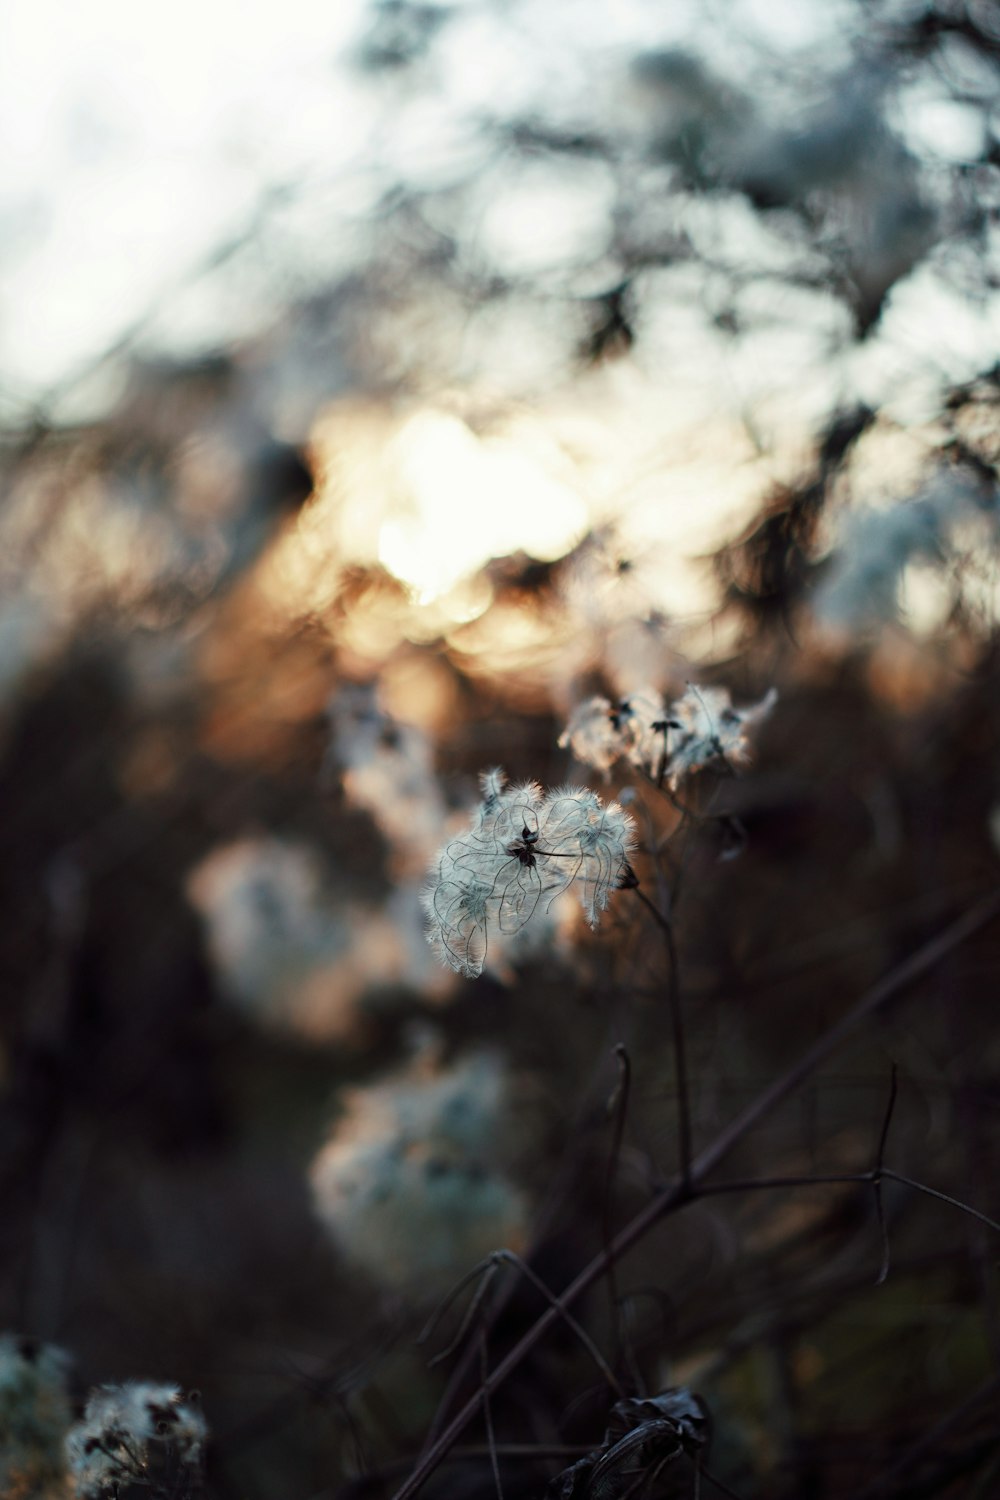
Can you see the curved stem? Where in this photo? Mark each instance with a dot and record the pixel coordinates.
(677, 1027)
(618, 1108)
(674, 1195)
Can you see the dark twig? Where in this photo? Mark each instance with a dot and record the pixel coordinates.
(671, 1197)
(878, 1169)
(487, 1270)
(921, 1187)
(618, 1109)
(898, 979)
(756, 1184)
(464, 1365)
(488, 1414)
(677, 1027)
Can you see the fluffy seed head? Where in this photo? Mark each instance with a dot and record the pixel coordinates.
(522, 849)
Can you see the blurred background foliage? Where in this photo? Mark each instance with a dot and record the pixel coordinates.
(375, 387)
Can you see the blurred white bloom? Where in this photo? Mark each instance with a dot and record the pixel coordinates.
(633, 729)
(645, 727)
(34, 1418)
(388, 769)
(593, 734)
(136, 1434)
(295, 954)
(522, 850)
(860, 588)
(606, 580)
(855, 172)
(640, 652)
(704, 728)
(270, 919)
(410, 1185)
(699, 728)
(614, 597)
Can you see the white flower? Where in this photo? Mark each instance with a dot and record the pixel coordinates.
(644, 725)
(594, 841)
(411, 1184)
(704, 727)
(135, 1434)
(699, 728)
(633, 729)
(34, 1416)
(522, 850)
(949, 519)
(593, 735)
(459, 913)
(388, 769)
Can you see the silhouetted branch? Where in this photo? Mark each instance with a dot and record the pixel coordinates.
(870, 1003)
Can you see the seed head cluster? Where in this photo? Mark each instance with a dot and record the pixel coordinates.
(523, 848)
(34, 1416)
(411, 1185)
(138, 1434)
(699, 729)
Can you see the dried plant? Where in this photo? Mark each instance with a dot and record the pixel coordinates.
(523, 849)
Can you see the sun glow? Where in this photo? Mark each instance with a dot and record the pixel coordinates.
(412, 505)
(464, 500)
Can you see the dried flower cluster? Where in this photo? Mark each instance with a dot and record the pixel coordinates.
(523, 848)
(702, 728)
(410, 1185)
(272, 929)
(34, 1417)
(137, 1434)
(951, 516)
(387, 769)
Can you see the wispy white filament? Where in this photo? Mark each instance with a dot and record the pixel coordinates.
(523, 848)
(699, 729)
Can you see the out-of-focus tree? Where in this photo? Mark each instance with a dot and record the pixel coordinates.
(633, 373)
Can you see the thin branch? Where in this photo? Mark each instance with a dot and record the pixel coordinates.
(887, 1121)
(557, 1305)
(618, 1109)
(677, 1027)
(488, 1415)
(650, 1478)
(921, 1187)
(464, 1364)
(871, 1002)
(900, 978)
(871, 1177)
(755, 1184)
(877, 1184)
(487, 1269)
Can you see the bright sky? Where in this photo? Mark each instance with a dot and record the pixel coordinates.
(135, 141)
